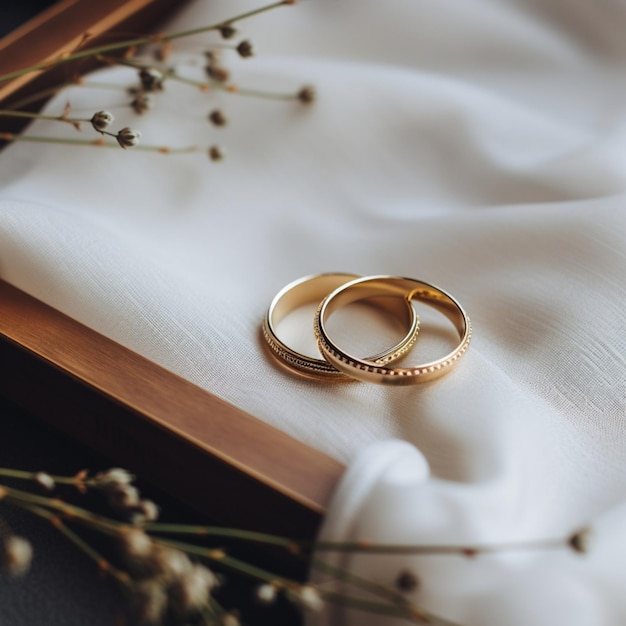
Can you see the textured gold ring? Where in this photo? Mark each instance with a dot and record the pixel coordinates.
(405, 288)
(311, 290)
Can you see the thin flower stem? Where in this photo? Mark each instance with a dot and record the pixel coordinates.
(467, 550)
(238, 18)
(100, 143)
(138, 41)
(380, 608)
(206, 85)
(104, 565)
(51, 91)
(17, 496)
(216, 531)
(357, 546)
(255, 93)
(40, 116)
(217, 556)
(39, 95)
(119, 575)
(22, 475)
(363, 583)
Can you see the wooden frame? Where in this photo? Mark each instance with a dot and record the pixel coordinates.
(208, 453)
(62, 29)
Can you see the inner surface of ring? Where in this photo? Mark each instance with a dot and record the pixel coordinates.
(312, 290)
(370, 371)
(404, 288)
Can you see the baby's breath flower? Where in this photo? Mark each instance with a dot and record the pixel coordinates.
(190, 591)
(151, 78)
(306, 95)
(113, 476)
(245, 49)
(217, 118)
(135, 544)
(127, 137)
(309, 598)
(145, 511)
(123, 497)
(150, 601)
(169, 563)
(215, 153)
(266, 593)
(44, 480)
(101, 120)
(16, 554)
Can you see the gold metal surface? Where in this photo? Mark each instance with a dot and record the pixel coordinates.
(311, 290)
(408, 289)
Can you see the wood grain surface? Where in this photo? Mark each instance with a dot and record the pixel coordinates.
(64, 28)
(210, 454)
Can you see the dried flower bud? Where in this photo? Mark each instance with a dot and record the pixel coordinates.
(245, 49)
(135, 544)
(123, 497)
(266, 593)
(169, 563)
(127, 137)
(151, 79)
(217, 118)
(16, 554)
(579, 541)
(101, 120)
(406, 581)
(140, 103)
(217, 73)
(113, 477)
(150, 601)
(227, 31)
(44, 480)
(190, 592)
(307, 94)
(145, 511)
(216, 153)
(309, 597)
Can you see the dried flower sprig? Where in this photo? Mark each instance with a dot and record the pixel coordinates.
(140, 41)
(100, 121)
(100, 143)
(216, 72)
(167, 579)
(151, 80)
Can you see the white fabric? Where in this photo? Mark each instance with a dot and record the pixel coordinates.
(477, 145)
(388, 497)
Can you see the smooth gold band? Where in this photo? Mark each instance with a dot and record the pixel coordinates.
(407, 289)
(311, 290)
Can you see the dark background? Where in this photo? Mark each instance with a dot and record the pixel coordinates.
(19, 12)
(63, 586)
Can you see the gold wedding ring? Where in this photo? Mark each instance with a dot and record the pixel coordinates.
(406, 289)
(311, 290)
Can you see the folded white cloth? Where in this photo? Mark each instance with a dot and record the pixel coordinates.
(388, 497)
(475, 145)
